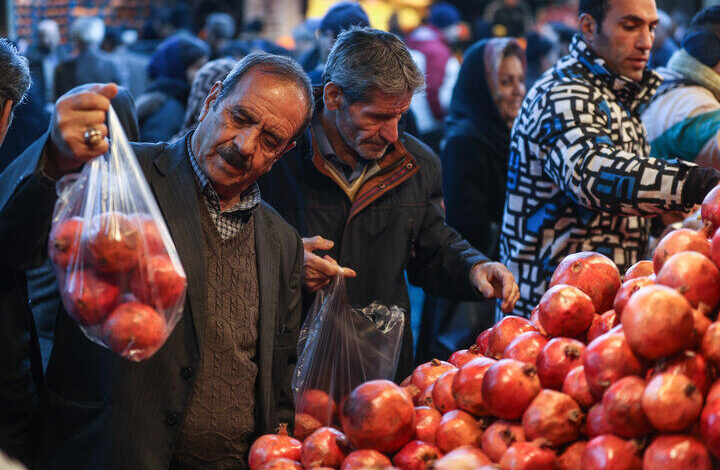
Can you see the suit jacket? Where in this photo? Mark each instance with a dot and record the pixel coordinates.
(90, 66)
(101, 411)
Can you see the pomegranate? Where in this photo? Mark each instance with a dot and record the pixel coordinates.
(317, 404)
(281, 464)
(671, 402)
(157, 282)
(114, 242)
(594, 274)
(462, 357)
(425, 398)
(553, 416)
(676, 452)
(326, 447)
(715, 249)
(710, 427)
(596, 421)
(565, 310)
(657, 321)
(463, 458)
(556, 359)
(627, 290)
(457, 428)
(305, 425)
(602, 324)
(710, 345)
(378, 415)
(417, 455)
(442, 395)
(64, 242)
(467, 385)
(710, 209)
(694, 275)
(364, 459)
(689, 364)
(535, 320)
(508, 388)
(134, 330)
(274, 446)
(426, 423)
(482, 340)
(412, 392)
(526, 347)
(504, 332)
(571, 459)
(607, 359)
(426, 374)
(624, 413)
(575, 385)
(642, 268)
(608, 452)
(683, 239)
(499, 436)
(528, 456)
(714, 392)
(89, 298)
(150, 233)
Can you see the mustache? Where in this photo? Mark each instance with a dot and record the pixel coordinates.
(376, 141)
(230, 154)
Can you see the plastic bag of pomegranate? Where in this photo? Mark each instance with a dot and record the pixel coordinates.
(119, 273)
(340, 348)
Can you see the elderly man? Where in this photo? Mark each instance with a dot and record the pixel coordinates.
(223, 376)
(579, 176)
(370, 195)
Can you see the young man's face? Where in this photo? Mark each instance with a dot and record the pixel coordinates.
(625, 37)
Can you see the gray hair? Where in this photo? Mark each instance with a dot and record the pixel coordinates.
(365, 59)
(88, 30)
(278, 66)
(220, 25)
(15, 73)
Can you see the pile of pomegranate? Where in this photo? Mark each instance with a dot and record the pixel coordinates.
(117, 280)
(605, 374)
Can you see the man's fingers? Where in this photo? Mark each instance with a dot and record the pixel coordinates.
(317, 243)
(109, 90)
(486, 288)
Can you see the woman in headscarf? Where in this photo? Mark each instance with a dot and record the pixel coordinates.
(485, 102)
(172, 67)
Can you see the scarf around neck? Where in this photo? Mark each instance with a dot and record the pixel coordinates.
(689, 67)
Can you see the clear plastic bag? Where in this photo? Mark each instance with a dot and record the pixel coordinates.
(119, 273)
(341, 348)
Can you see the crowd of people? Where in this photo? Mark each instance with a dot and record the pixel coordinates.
(468, 166)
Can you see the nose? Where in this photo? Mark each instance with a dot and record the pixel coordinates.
(645, 41)
(389, 130)
(246, 142)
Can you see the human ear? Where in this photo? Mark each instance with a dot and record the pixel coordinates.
(332, 96)
(5, 117)
(588, 26)
(210, 99)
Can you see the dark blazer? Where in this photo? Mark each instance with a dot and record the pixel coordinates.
(90, 66)
(101, 411)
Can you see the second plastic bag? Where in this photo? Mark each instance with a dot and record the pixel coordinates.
(341, 348)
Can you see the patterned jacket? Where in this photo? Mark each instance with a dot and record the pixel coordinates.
(580, 177)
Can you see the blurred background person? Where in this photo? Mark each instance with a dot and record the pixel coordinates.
(486, 100)
(219, 29)
(131, 64)
(542, 53)
(44, 56)
(664, 45)
(161, 109)
(509, 17)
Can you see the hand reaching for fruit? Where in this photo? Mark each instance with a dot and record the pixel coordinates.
(317, 271)
(494, 280)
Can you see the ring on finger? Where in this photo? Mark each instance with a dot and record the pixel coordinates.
(93, 136)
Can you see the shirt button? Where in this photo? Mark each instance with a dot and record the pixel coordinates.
(186, 372)
(381, 185)
(409, 166)
(172, 418)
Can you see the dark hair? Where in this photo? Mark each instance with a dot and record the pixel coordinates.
(278, 66)
(707, 19)
(15, 72)
(595, 8)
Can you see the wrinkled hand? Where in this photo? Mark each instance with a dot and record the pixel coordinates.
(495, 280)
(317, 271)
(74, 113)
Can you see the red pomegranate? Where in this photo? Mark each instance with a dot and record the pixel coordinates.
(676, 452)
(151, 236)
(114, 242)
(528, 456)
(508, 388)
(64, 242)
(526, 347)
(442, 395)
(463, 458)
(607, 359)
(426, 423)
(714, 392)
(426, 374)
(608, 452)
(482, 340)
(134, 330)
(565, 310)
(378, 415)
(642, 268)
(627, 290)
(504, 332)
(467, 385)
(556, 359)
(462, 357)
(624, 413)
(553, 416)
(710, 345)
(701, 323)
(694, 275)
(417, 455)
(710, 427)
(317, 404)
(710, 209)
(274, 446)
(657, 322)
(457, 428)
(535, 320)
(158, 282)
(571, 458)
(305, 425)
(689, 364)
(425, 398)
(326, 447)
(715, 249)
(364, 459)
(596, 421)
(90, 298)
(281, 464)
(683, 239)
(602, 324)
(499, 436)
(575, 385)
(594, 274)
(671, 402)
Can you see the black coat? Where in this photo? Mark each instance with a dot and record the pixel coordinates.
(101, 411)
(90, 66)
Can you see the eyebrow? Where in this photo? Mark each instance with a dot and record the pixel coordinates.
(637, 19)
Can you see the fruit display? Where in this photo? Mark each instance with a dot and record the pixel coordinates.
(605, 374)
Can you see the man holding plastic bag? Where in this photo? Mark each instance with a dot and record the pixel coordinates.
(223, 375)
